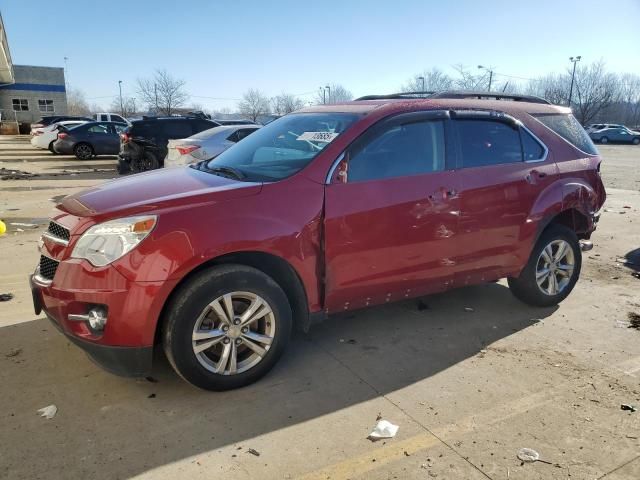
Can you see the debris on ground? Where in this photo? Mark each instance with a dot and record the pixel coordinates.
(5, 297)
(3, 228)
(468, 309)
(627, 407)
(634, 320)
(253, 452)
(13, 174)
(13, 353)
(422, 306)
(379, 416)
(529, 455)
(48, 412)
(26, 225)
(635, 274)
(383, 429)
(351, 341)
(151, 379)
(151, 395)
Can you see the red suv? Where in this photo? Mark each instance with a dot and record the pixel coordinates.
(332, 208)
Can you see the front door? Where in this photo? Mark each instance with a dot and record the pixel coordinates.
(391, 214)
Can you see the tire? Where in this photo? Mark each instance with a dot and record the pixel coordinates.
(148, 162)
(50, 147)
(200, 306)
(636, 141)
(83, 151)
(604, 140)
(526, 287)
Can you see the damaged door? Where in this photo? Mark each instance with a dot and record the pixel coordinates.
(391, 214)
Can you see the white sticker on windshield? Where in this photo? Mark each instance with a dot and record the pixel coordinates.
(325, 137)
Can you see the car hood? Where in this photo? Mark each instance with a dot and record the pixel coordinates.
(156, 190)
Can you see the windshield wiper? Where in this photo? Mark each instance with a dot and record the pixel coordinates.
(222, 170)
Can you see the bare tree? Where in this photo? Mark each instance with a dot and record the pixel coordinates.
(77, 102)
(596, 90)
(435, 80)
(254, 104)
(553, 87)
(162, 93)
(467, 80)
(335, 93)
(128, 108)
(285, 103)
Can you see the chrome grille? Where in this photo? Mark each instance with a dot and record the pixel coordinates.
(48, 267)
(59, 231)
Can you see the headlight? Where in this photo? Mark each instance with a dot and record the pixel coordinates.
(106, 242)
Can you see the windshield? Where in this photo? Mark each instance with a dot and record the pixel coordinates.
(284, 147)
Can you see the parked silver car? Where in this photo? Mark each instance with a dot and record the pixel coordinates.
(206, 144)
(620, 134)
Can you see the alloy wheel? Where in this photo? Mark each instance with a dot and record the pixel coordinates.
(555, 267)
(84, 151)
(233, 333)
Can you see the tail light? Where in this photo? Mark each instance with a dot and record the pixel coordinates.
(187, 150)
(125, 137)
(62, 135)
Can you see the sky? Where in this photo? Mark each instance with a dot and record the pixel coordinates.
(222, 48)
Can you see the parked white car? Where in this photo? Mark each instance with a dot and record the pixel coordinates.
(205, 145)
(44, 137)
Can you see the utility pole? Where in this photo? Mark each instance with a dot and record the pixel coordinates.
(155, 90)
(490, 70)
(324, 95)
(328, 88)
(573, 60)
(422, 78)
(121, 106)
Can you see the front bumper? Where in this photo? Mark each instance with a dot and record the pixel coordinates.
(125, 347)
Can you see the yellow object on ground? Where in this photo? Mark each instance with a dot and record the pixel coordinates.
(3, 227)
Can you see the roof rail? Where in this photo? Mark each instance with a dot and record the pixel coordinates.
(458, 94)
(454, 94)
(392, 96)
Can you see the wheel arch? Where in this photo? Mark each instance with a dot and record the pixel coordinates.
(282, 272)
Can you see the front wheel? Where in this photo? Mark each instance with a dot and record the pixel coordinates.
(553, 268)
(604, 140)
(636, 141)
(83, 151)
(226, 327)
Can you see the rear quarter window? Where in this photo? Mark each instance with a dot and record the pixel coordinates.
(570, 129)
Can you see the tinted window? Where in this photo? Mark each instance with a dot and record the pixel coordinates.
(144, 129)
(485, 142)
(570, 129)
(397, 151)
(177, 129)
(200, 125)
(117, 118)
(233, 137)
(530, 147)
(244, 132)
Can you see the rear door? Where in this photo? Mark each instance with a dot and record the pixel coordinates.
(502, 169)
(391, 214)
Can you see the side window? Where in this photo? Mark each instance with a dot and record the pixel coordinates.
(244, 132)
(117, 118)
(120, 128)
(104, 118)
(566, 126)
(531, 148)
(233, 137)
(98, 129)
(177, 129)
(398, 150)
(200, 125)
(485, 142)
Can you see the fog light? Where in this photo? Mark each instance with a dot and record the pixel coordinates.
(96, 318)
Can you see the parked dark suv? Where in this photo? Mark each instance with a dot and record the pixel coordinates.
(143, 146)
(329, 209)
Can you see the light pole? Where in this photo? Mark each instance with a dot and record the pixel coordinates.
(328, 88)
(490, 70)
(573, 60)
(121, 107)
(422, 78)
